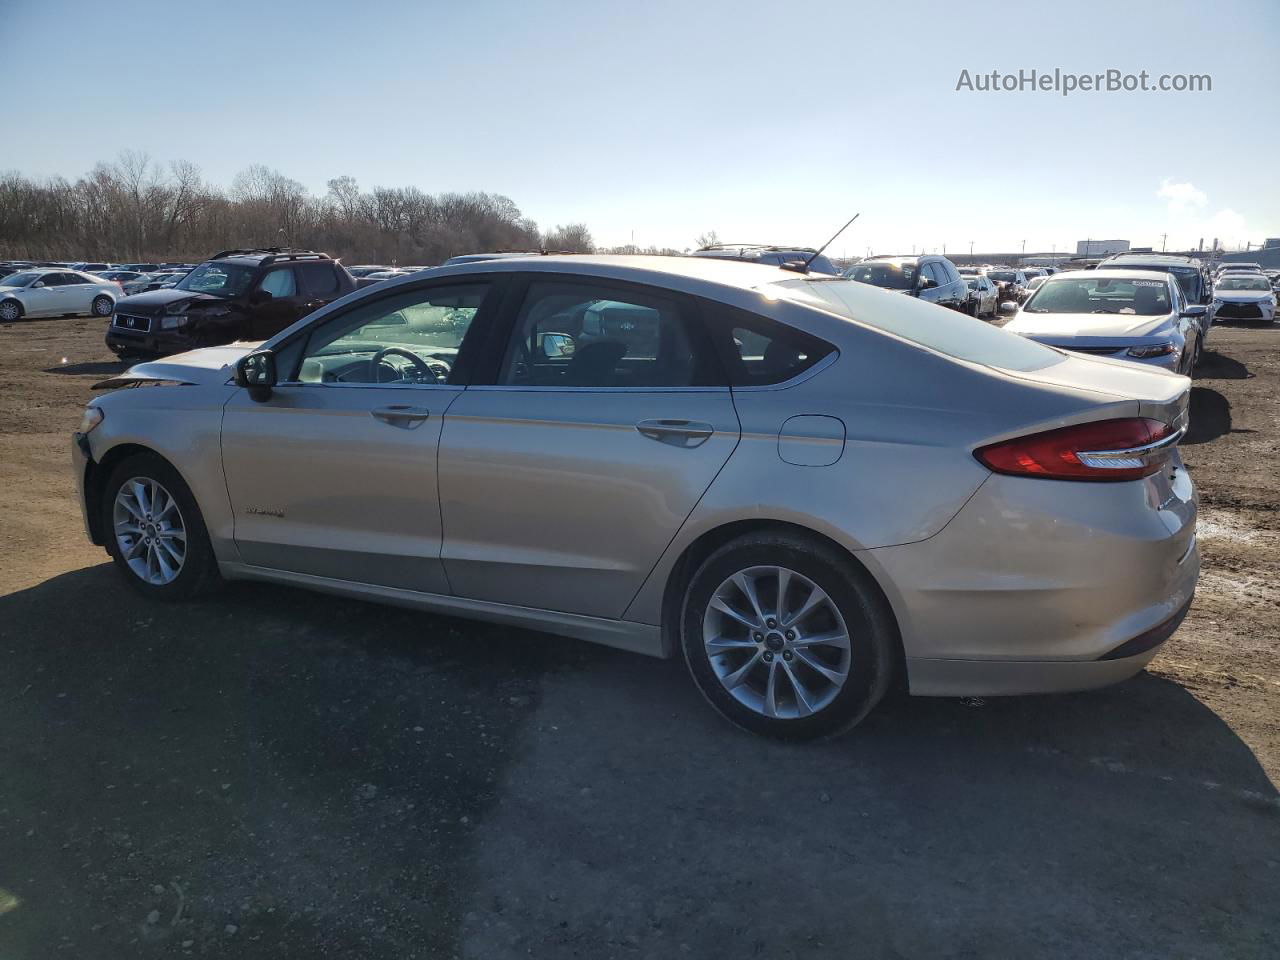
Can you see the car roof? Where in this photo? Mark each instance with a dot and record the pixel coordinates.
(1115, 273)
(1161, 258)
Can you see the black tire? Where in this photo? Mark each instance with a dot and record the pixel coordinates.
(11, 303)
(870, 623)
(102, 306)
(199, 571)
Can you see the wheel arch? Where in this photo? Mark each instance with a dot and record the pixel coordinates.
(712, 540)
(95, 478)
(22, 310)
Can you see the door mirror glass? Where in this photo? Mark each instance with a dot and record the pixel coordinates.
(927, 283)
(37, 285)
(1195, 310)
(256, 372)
(557, 345)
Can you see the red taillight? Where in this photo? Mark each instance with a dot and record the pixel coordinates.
(1106, 450)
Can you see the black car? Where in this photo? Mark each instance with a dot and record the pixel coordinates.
(235, 295)
(930, 278)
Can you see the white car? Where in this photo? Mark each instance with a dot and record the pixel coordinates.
(1123, 314)
(1244, 296)
(51, 293)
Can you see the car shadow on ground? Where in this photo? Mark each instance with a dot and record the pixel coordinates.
(1210, 417)
(95, 368)
(1214, 366)
(291, 765)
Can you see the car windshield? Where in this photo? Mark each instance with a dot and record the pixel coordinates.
(1099, 293)
(1002, 276)
(19, 279)
(891, 276)
(219, 279)
(1243, 283)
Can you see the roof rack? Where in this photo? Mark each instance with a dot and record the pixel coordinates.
(272, 254)
(758, 246)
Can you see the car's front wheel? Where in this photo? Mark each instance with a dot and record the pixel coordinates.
(786, 637)
(102, 306)
(10, 310)
(154, 530)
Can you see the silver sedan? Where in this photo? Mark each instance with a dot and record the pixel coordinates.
(808, 488)
(45, 293)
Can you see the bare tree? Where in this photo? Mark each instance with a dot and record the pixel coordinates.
(708, 239)
(572, 238)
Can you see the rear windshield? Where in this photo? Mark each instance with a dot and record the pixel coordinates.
(946, 331)
(891, 276)
(1003, 276)
(1099, 293)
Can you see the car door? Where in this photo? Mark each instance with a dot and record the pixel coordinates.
(80, 293)
(334, 475)
(275, 302)
(319, 284)
(44, 299)
(568, 467)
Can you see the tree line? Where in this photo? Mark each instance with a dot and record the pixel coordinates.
(134, 209)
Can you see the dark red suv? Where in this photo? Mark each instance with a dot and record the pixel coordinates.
(234, 295)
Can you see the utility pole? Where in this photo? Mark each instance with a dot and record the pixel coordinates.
(1024, 247)
(1164, 238)
(971, 248)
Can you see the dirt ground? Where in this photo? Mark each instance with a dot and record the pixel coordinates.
(278, 774)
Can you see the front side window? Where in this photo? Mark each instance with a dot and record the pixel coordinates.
(409, 338)
(279, 283)
(570, 334)
(54, 279)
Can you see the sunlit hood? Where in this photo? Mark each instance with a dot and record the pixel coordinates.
(1085, 324)
(208, 365)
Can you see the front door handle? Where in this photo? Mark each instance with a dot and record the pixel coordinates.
(679, 433)
(401, 415)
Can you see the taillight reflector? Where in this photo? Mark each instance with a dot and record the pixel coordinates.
(1105, 450)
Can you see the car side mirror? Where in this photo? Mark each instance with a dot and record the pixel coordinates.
(256, 372)
(927, 283)
(37, 285)
(557, 345)
(1008, 306)
(259, 297)
(1195, 310)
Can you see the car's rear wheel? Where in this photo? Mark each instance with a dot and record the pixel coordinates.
(102, 306)
(10, 310)
(154, 530)
(786, 637)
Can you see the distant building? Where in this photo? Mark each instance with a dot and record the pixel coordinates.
(1100, 248)
(1271, 243)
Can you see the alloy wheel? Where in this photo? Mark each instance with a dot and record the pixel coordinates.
(149, 531)
(103, 306)
(9, 311)
(777, 642)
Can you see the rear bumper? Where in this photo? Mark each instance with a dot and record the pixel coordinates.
(995, 678)
(1044, 585)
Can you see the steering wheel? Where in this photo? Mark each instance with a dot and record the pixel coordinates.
(437, 370)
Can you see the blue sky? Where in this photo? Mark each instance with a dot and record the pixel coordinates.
(764, 121)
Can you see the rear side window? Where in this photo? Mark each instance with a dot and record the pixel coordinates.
(320, 279)
(757, 351)
(576, 334)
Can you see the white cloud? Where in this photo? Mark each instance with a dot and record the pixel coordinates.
(1181, 196)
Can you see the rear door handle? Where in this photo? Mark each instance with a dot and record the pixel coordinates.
(679, 433)
(401, 415)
